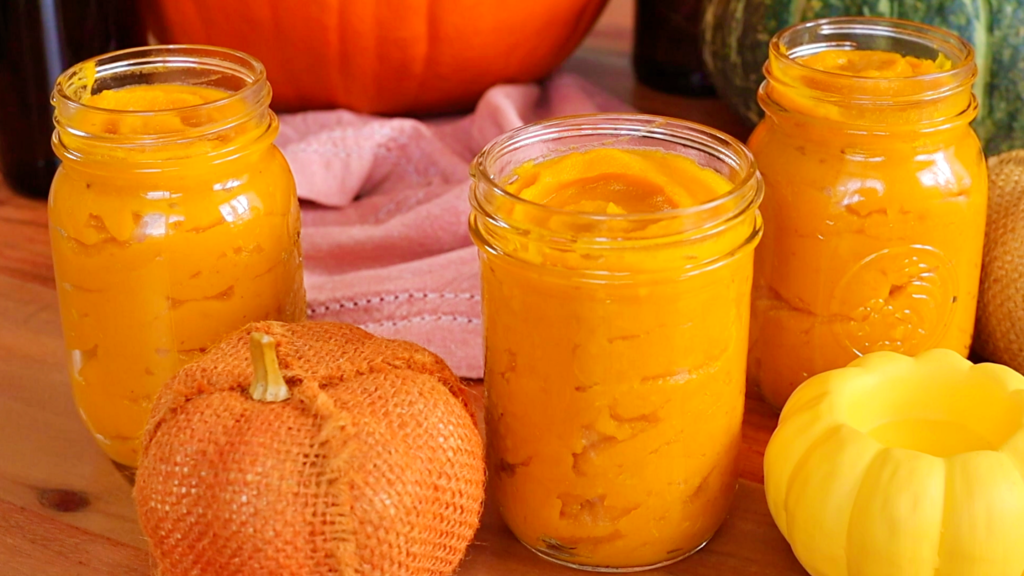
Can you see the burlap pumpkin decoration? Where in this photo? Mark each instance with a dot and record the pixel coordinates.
(999, 335)
(365, 460)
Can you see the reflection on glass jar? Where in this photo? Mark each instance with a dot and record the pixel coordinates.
(173, 221)
(617, 257)
(875, 195)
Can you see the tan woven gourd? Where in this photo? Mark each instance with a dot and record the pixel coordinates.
(999, 335)
(365, 460)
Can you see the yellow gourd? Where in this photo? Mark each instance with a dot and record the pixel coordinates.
(900, 466)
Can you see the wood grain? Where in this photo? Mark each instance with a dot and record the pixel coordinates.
(748, 544)
(24, 240)
(32, 544)
(65, 510)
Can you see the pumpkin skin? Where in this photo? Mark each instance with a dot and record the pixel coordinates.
(736, 34)
(858, 496)
(1004, 126)
(387, 57)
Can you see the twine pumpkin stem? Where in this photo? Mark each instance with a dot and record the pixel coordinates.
(268, 384)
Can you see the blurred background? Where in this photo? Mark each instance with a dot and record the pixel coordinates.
(696, 59)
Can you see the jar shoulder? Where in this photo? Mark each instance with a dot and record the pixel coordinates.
(811, 159)
(129, 204)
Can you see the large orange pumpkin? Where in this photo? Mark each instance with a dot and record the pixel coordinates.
(384, 56)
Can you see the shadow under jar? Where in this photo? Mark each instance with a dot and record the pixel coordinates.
(173, 221)
(616, 340)
(875, 197)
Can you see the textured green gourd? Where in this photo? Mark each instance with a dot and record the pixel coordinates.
(737, 33)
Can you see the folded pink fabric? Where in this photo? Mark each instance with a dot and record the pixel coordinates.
(384, 226)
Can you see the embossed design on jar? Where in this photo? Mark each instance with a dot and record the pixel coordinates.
(900, 299)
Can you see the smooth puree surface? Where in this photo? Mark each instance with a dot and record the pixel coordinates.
(617, 181)
(873, 63)
(153, 97)
(614, 407)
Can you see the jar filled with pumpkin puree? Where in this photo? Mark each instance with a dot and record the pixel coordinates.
(875, 194)
(173, 221)
(616, 257)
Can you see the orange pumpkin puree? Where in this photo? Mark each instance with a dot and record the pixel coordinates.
(614, 408)
(158, 251)
(873, 224)
(153, 97)
(873, 63)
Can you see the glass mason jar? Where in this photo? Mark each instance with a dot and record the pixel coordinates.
(615, 348)
(170, 226)
(874, 209)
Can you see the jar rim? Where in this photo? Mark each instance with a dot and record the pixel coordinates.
(964, 66)
(499, 216)
(624, 124)
(123, 59)
(240, 120)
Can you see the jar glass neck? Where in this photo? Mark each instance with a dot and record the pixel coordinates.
(931, 100)
(219, 127)
(692, 237)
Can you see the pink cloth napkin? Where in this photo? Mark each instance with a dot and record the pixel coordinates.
(384, 229)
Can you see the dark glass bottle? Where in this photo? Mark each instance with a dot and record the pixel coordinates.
(666, 47)
(38, 40)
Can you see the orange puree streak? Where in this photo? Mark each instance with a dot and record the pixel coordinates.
(873, 63)
(615, 409)
(175, 109)
(608, 180)
(154, 97)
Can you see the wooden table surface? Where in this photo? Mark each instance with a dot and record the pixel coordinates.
(64, 510)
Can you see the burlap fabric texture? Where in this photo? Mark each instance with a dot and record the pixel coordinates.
(999, 335)
(373, 466)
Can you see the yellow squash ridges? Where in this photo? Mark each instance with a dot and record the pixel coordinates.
(903, 466)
